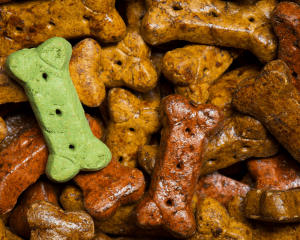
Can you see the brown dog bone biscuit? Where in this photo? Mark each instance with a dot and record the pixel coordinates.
(213, 22)
(84, 71)
(28, 154)
(147, 157)
(193, 68)
(214, 222)
(187, 129)
(241, 138)
(48, 221)
(135, 11)
(280, 172)
(37, 191)
(128, 64)
(220, 187)
(132, 123)
(273, 205)
(285, 21)
(69, 19)
(221, 92)
(71, 199)
(3, 129)
(273, 100)
(106, 190)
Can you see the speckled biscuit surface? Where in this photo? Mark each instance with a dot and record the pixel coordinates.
(43, 72)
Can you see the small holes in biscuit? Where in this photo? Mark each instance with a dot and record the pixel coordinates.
(214, 14)
(188, 130)
(52, 23)
(120, 159)
(19, 29)
(87, 18)
(294, 74)
(58, 112)
(177, 7)
(179, 166)
(131, 129)
(71, 146)
(45, 76)
(119, 63)
(251, 19)
(169, 202)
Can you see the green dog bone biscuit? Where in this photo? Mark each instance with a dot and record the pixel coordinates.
(44, 74)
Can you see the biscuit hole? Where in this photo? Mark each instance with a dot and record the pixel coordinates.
(169, 202)
(19, 29)
(179, 166)
(87, 18)
(71, 146)
(120, 159)
(119, 63)
(52, 23)
(294, 74)
(45, 76)
(214, 14)
(251, 19)
(187, 130)
(58, 112)
(131, 129)
(177, 7)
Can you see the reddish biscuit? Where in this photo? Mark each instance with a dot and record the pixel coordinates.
(286, 17)
(220, 187)
(48, 222)
(187, 129)
(28, 154)
(280, 172)
(106, 190)
(37, 191)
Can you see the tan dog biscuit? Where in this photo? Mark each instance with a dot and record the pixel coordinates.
(187, 129)
(214, 222)
(280, 172)
(106, 190)
(273, 205)
(48, 222)
(71, 199)
(37, 191)
(273, 100)
(3, 129)
(132, 122)
(6, 234)
(194, 68)
(220, 188)
(213, 22)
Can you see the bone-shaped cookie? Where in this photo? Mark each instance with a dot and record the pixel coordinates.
(280, 172)
(273, 205)
(29, 23)
(187, 129)
(213, 22)
(285, 19)
(273, 100)
(132, 123)
(193, 69)
(44, 74)
(106, 190)
(48, 221)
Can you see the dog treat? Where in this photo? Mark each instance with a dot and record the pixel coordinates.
(48, 66)
(106, 190)
(194, 68)
(214, 222)
(101, 236)
(280, 172)
(37, 191)
(6, 234)
(147, 157)
(28, 154)
(242, 137)
(3, 129)
(221, 92)
(220, 187)
(135, 11)
(48, 221)
(84, 72)
(70, 19)
(273, 205)
(274, 101)
(17, 123)
(128, 64)
(213, 22)
(132, 122)
(285, 22)
(187, 129)
(71, 199)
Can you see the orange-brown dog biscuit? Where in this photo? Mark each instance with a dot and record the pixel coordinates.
(71, 199)
(213, 22)
(48, 221)
(187, 129)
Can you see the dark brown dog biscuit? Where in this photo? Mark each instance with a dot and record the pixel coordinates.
(285, 19)
(274, 101)
(37, 191)
(48, 221)
(71, 199)
(220, 187)
(106, 190)
(187, 129)
(280, 172)
(213, 22)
